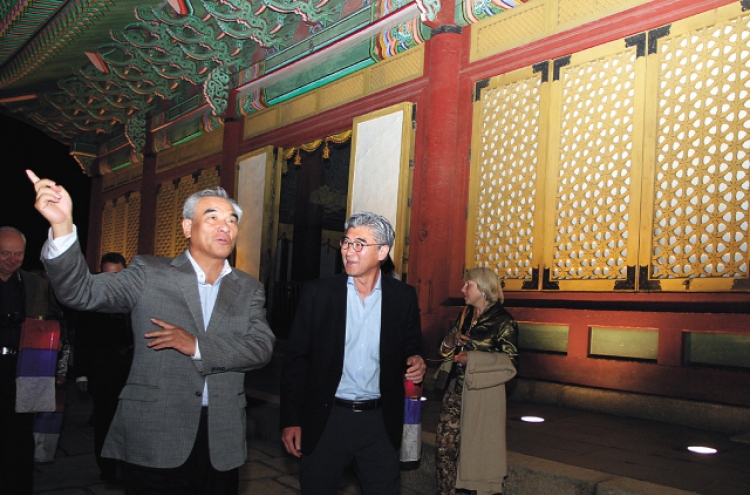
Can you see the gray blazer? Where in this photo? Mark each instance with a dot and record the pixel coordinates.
(159, 410)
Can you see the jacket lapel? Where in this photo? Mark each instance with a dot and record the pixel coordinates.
(228, 292)
(187, 281)
(388, 311)
(339, 297)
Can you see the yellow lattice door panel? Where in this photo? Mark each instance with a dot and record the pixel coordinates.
(108, 227)
(697, 211)
(133, 226)
(120, 223)
(165, 218)
(595, 169)
(185, 187)
(505, 196)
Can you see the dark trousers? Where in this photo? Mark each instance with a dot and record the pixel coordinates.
(16, 436)
(195, 477)
(108, 373)
(104, 411)
(352, 436)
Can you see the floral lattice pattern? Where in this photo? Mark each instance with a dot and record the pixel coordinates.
(702, 186)
(593, 199)
(507, 178)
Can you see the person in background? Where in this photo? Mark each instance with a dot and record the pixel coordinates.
(355, 338)
(103, 354)
(22, 294)
(483, 343)
(198, 325)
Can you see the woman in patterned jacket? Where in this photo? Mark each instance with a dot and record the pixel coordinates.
(483, 347)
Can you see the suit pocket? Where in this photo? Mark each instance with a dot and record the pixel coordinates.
(142, 393)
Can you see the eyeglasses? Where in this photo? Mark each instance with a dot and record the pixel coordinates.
(356, 245)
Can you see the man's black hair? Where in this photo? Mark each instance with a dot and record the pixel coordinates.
(115, 258)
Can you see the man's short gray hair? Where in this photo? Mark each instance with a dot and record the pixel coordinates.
(381, 228)
(14, 230)
(188, 210)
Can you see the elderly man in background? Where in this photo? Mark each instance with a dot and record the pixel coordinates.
(22, 294)
(198, 325)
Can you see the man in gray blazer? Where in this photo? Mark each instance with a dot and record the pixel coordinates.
(198, 325)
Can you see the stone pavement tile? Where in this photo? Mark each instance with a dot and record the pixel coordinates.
(737, 458)
(268, 447)
(292, 481)
(726, 487)
(534, 443)
(76, 440)
(266, 486)
(66, 472)
(546, 452)
(619, 486)
(254, 454)
(256, 470)
(674, 478)
(285, 465)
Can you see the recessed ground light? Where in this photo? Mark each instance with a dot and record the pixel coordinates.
(697, 449)
(532, 419)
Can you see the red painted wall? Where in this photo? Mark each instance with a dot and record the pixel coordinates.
(438, 220)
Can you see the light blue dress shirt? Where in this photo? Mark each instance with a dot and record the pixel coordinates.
(208, 294)
(360, 379)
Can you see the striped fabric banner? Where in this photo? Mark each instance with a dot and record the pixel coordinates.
(411, 441)
(37, 360)
(47, 429)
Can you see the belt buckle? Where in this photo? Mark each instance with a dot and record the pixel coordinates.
(7, 351)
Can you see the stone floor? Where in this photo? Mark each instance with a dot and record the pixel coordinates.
(570, 441)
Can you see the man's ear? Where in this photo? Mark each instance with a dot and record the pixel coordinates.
(187, 227)
(384, 250)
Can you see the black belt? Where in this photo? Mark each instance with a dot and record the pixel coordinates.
(358, 405)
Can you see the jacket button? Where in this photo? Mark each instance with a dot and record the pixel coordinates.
(197, 394)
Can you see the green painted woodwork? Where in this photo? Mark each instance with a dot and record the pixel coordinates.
(716, 349)
(119, 159)
(354, 56)
(149, 54)
(182, 133)
(543, 337)
(631, 343)
(334, 32)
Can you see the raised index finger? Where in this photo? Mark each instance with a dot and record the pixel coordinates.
(32, 176)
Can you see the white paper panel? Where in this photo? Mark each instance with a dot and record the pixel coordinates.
(251, 185)
(377, 166)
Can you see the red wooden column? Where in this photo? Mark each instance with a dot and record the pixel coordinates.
(437, 187)
(231, 145)
(96, 206)
(147, 225)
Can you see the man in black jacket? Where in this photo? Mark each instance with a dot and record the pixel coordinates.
(355, 339)
(103, 354)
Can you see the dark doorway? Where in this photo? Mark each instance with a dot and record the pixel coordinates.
(312, 211)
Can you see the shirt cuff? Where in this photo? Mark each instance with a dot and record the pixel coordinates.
(197, 355)
(55, 247)
(82, 379)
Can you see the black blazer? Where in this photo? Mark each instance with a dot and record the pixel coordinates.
(314, 358)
